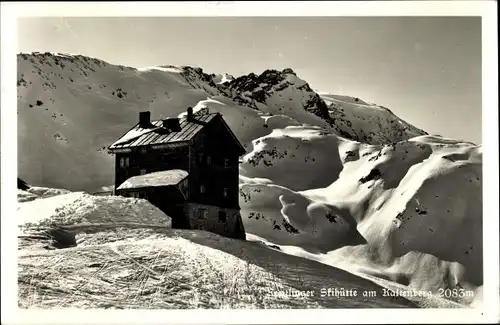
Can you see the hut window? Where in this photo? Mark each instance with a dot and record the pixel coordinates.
(222, 216)
(202, 213)
(226, 192)
(143, 171)
(202, 188)
(124, 161)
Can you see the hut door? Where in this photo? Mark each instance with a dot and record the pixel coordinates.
(202, 218)
(179, 218)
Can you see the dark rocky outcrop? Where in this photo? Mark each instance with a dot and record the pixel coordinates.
(22, 185)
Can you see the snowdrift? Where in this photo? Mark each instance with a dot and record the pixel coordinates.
(286, 217)
(78, 208)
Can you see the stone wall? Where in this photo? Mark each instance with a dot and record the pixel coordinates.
(207, 217)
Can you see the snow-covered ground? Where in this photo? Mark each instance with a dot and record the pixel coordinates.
(184, 269)
(330, 178)
(141, 266)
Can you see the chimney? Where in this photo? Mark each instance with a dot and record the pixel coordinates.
(172, 124)
(145, 119)
(190, 114)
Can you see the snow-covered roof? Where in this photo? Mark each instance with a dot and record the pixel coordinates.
(157, 134)
(156, 179)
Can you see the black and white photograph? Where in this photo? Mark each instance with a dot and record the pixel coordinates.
(234, 161)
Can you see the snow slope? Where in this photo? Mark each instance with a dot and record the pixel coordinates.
(181, 269)
(405, 205)
(366, 122)
(335, 178)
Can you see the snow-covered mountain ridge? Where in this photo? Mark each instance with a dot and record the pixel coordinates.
(74, 94)
(346, 181)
